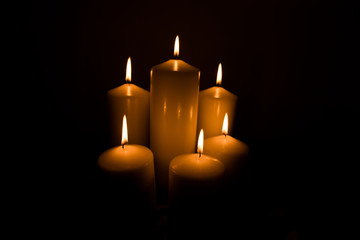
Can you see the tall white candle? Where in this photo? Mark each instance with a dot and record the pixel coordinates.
(214, 102)
(133, 101)
(174, 95)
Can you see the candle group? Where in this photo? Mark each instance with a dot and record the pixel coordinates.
(167, 120)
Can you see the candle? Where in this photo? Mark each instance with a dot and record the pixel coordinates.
(230, 151)
(129, 171)
(195, 183)
(214, 102)
(133, 101)
(174, 95)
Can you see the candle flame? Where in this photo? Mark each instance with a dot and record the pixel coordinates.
(219, 75)
(176, 47)
(225, 125)
(200, 147)
(124, 137)
(128, 70)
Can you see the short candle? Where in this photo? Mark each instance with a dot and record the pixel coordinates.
(194, 176)
(133, 101)
(214, 102)
(130, 169)
(230, 151)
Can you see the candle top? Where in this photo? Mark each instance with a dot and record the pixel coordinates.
(128, 90)
(193, 166)
(175, 65)
(217, 92)
(130, 157)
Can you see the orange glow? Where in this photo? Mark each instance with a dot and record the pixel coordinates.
(225, 125)
(176, 66)
(176, 47)
(128, 70)
(219, 75)
(124, 137)
(217, 92)
(200, 147)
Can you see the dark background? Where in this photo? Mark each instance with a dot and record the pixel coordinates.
(291, 64)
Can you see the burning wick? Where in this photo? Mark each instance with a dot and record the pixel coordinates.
(225, 125)
(219, 75)
(176, 47)
(201, 143)
(124, 137)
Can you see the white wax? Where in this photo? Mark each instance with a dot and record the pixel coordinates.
(133, 101)
(230, 151)
(174, 95)
(214, 103)
(133, 168)
(193, 177)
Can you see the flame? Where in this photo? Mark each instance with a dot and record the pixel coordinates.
(176, 47)
(219, 75)
(200, 147)
(225, 125)
(124, 137)
(128, 70)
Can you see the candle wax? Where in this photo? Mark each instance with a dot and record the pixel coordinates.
(129, 172)
(195, 185)
(133, 101)
(214, 103)
(230, 151)
(174, 94)
(194, 177)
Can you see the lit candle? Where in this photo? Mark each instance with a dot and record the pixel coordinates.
(130, 169)
(174, 95)
(133, 101)
(194, 176)
(230, 151)
(214, 102)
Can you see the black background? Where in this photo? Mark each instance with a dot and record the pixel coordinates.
(291, 64)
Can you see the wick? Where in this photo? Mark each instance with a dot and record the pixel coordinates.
(176, 57)
(122, 145)
(199, 154)
(224, 134)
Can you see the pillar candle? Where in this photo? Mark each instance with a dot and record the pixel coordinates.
(129, 171)
(195, 183)
(230, 151)
(174, 95)
(192, 174)
(133, 101)
(214, 102)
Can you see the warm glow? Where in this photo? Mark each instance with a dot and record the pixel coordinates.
(225, 125)
(176, 66)
(124, 137)
(201, 142)
(219, 75)
(176, 47)
(128, 70)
